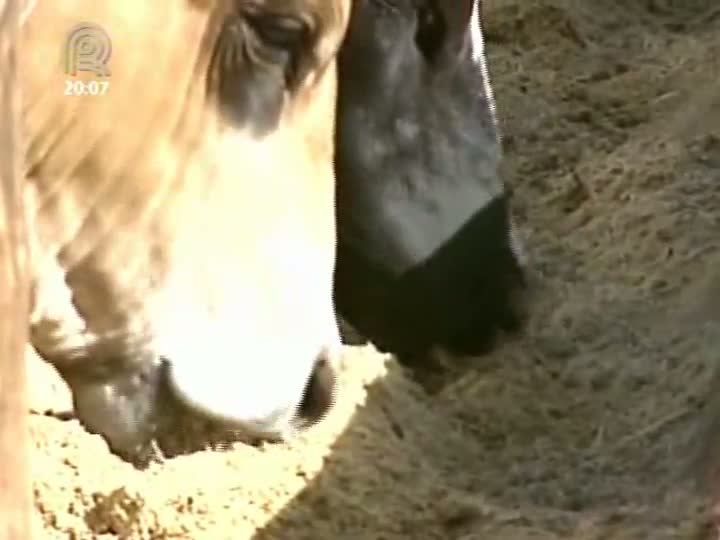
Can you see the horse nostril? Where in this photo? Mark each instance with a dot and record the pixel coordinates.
(319, 394)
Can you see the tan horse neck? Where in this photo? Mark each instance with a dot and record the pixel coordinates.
(15, 493)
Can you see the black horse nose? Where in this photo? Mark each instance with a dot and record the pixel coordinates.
(502, 305)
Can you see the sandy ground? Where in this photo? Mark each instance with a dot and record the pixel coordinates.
(597, 424)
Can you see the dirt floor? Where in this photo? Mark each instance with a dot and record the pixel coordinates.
(595, 425)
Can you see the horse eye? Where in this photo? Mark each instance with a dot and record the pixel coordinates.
(280, 31)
